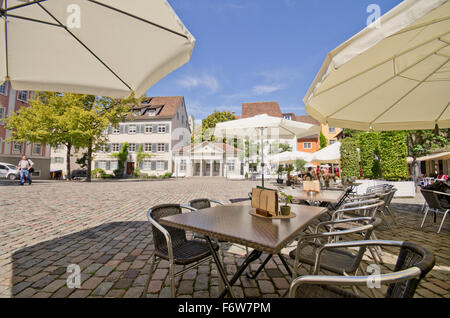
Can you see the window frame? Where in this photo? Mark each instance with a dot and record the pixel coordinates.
(158, 162)
(309, 143)
(331, 130)
(163, 126)
(5, 84)
(118, 147)
(33, 149)
(147, 126)
(21, 99)
(163, 147)
(132, 132)
(183, 165)
(14, 150)
(134, 147)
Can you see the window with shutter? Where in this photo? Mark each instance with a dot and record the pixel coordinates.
(108, 165)
(166, 148)
(153, 164)
(154, 147)
(166, 165)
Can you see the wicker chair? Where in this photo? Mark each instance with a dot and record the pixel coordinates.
(172, 245)
(434, 205)
(339, 261)
(199, 204)
(413, 263)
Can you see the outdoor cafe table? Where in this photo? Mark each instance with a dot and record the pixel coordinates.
(234, 224)
(324, 196)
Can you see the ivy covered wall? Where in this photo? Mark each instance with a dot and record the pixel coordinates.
(393, 153)
(349, 157)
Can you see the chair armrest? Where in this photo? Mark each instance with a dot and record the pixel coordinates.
(363, 218)
(351, 244)
(218, 202)
(164, 232)
(352, 280)
(442, 193)
(374, 204)
(188, 207)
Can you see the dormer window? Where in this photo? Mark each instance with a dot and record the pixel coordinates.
(137, 113)
(152, 112)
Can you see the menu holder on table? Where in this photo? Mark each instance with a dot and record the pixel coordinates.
(311, 186)
(265, 202)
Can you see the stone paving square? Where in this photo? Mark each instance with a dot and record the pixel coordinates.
(102, 227)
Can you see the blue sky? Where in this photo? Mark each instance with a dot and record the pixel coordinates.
(259, 50)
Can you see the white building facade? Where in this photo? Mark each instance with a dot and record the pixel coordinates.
(209, 159)
(159, 126)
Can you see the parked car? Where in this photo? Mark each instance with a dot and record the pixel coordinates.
(8, 171)
(79, 174)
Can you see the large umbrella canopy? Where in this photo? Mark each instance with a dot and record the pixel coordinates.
(101, 47)
(264, 126)
(272, 127)
(393, 77)
(330, 154)
(290, 157)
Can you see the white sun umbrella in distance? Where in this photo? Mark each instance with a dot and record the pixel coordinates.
(102, 47)
(392, 77)
(290, 157)
(264, 126)
(329, 154)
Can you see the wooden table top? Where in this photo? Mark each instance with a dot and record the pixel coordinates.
(234, 224)
(331, 196)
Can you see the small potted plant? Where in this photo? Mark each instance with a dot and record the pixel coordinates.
(280, 171)
(286, 209)
(289, 169)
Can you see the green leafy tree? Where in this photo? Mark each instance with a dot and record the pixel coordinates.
(421, 142)
(300, 164)
(323, 141)
(284, 147)
(74, 120)
(393, 153)
(140, 156)
(122, 157)
(210, 122)
(349, 157)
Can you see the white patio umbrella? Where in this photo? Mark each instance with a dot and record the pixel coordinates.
(329, 154)
(101, 47)
(264, 126)
(393, 77)
(290, 156)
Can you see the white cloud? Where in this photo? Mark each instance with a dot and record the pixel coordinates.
(266, 89)
(208, 81)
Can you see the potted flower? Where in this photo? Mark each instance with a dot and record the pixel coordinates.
(280, 171)
(286, 209)
(289, 169)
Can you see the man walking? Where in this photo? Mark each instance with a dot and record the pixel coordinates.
(24, 170)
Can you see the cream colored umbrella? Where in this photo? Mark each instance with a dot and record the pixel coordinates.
(101, 47)
(329, 154)
(264, 127)
(393, 77)
(290, 157)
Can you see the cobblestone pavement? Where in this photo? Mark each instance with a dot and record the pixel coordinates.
(102, 227)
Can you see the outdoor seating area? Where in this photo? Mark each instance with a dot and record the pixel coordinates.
(301, 151)
(331, 232)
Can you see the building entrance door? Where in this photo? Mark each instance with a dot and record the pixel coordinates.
(130, 168)
(207, 169)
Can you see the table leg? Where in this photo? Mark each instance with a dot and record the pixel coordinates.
(260, 268)
(283, 260)
(222, 273)
(254, 255)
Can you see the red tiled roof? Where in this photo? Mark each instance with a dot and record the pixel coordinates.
(169, 106)
(307, 119)
(253, 109)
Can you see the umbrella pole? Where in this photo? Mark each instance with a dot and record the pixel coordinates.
(262, 158)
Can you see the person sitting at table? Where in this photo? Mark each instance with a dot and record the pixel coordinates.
(442, 177)
(311, 174)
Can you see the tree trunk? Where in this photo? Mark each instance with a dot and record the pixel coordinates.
(69, 149)
(89, 162)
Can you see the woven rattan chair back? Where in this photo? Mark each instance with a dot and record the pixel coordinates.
(411, 255)
(200, 204)
(432, 199)
(178, 236)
